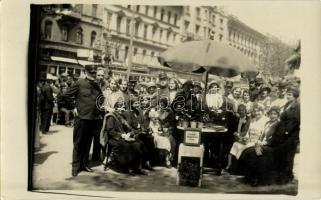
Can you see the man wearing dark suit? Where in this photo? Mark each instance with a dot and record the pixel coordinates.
(87, 124)
(47, 105)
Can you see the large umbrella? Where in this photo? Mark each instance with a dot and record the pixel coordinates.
(207, 56)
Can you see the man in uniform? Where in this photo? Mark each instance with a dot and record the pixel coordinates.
(87, 123)
(163, 90)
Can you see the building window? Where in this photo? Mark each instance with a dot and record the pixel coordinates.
(174, 38)
(212, 35)
(117, 54)
(92, 38)
(197, 29)
(160, 35)
(129, 6)
(169, 17)
(221, 21)
(205, 31)
(79, 36)
(94, 10)
(213, 18)
(186, 25)
(198, 13)
(109, 15)
(118, 25)
(162, 15)
(64, 33)
(135, 52)
(175, 19)
(145, 31)
(168, 35)
(128, 26)
(48, 29)
(187, 9)
(155, 11)
(152, 54)
(136, 28)
(146, 10)
(153, 32)
(126, 52)
(221, 37)
(137, 8)
(144, 54)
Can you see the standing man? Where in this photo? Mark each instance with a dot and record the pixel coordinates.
(46, 108)
(87, 124)
(163, 90)
(132, 82)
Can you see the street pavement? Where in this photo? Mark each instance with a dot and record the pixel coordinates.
(52, 171)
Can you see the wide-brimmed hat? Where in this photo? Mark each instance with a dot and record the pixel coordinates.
(162, 76)
(229, 84)
(259, 81)
(294, 90)
(91, 68)
(283, 84)
(275, 109)
(210, 84)
(132, 79)
(265, 88)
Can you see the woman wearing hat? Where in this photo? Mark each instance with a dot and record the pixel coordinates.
(127, 153)
(264, 98)
(246, 100)
(276, 157)
(113, 95)
(214, 100)
(173, 87)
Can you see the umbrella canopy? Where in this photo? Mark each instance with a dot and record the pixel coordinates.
(207, 55)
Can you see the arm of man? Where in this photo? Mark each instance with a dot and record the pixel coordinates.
(72, 91)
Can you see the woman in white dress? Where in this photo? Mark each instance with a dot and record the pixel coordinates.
(254, 133)
(214, 100)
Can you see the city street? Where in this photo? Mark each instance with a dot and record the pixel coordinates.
(52, 171)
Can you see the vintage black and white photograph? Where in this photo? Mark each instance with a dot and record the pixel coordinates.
(171, 99)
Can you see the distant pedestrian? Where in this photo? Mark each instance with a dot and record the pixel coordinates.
(46, 108)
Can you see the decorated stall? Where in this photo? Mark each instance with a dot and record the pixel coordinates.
(203, 125)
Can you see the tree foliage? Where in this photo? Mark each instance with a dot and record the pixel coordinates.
(274, 52)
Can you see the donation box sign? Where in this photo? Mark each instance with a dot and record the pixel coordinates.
(192, 137)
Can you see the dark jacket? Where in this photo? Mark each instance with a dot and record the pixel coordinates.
(286, 135)
(87, 94)
(245, 126)
(48, 99)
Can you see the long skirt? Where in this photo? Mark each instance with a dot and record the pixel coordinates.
(253, 166)
(127, 155)
(238, 148)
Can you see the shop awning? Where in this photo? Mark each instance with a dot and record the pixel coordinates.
(86, 62)
(63, 59)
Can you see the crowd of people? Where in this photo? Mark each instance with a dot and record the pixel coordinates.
(133, 124)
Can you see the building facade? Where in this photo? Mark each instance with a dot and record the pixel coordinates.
(245, 39)
(75, 35)
(153, 30)
(68, 38)
(205, 22)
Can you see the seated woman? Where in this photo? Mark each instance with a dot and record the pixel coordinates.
(276, 157)
(242, 125)
(127, 153)
(137, 119)
(248, 139)
(168, 125)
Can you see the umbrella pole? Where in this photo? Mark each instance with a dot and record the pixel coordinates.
(205, 87)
